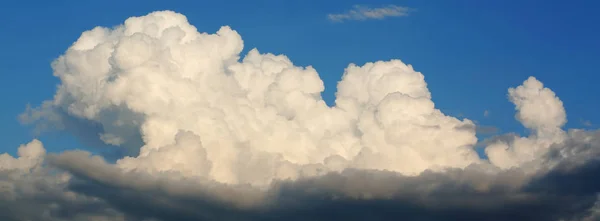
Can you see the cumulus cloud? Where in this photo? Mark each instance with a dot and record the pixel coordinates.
(202, 112)
(213, 135)
(361, 13)
(540, 111)
(31, 191)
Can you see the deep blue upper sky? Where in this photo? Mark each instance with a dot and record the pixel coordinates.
(470, 51)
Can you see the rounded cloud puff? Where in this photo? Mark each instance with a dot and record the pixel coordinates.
(30, 155)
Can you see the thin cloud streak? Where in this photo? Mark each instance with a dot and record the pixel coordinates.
(362, 13)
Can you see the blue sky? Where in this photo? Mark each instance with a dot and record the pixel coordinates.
(470, 51)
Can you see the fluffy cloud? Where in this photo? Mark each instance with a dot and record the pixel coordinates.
(209, 135)
(203, 113)
(539, 110)
(31, 191)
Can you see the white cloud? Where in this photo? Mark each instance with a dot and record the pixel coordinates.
(213, 127)
(360, 12)
(203, 113)
(30, 156)
(539, 110)
(486, 113)
(208, 115)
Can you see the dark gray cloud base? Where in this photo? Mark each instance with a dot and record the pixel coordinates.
(566, 192)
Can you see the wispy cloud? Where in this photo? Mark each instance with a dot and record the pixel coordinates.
(486, 113)
(360, 12)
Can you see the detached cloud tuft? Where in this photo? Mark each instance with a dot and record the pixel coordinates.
(365, 13)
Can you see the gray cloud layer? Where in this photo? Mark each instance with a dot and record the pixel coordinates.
(469, 194)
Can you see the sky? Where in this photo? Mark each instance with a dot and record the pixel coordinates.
(469, 52)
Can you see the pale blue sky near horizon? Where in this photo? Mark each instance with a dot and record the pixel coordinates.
(470, 51)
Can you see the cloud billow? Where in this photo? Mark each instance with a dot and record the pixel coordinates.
(221, 137)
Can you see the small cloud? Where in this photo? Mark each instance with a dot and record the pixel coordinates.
(362, 13)
(486, 113)
(486, 130)
(587, 123)
(479, 129)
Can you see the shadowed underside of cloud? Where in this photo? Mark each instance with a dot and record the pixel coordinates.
(46, 118)
(210, 136)
(101, 191)
(469, 194)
